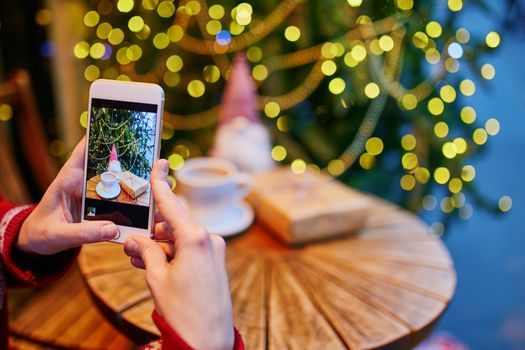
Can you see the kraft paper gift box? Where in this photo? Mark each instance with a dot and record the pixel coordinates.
(301, 208)
(132, 184)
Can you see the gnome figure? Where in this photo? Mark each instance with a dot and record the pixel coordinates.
(241, 137)
(114, 163)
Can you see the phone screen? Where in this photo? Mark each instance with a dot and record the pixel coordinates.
(121, 152)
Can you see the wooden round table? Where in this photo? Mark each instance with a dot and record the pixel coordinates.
(385, 287)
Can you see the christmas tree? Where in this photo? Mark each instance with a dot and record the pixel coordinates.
(130, 132)
(371, 92)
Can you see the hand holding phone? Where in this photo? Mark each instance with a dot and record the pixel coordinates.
(54, 225)
(123, 138)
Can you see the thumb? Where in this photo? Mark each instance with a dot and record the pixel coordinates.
(74, 235)
(152, 255)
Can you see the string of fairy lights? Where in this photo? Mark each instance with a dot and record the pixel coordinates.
(375, 47)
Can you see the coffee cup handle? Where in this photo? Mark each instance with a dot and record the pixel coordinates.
(244, 185)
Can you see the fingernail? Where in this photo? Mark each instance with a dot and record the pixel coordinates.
(131, 245)
(164, 164)
(109, 231)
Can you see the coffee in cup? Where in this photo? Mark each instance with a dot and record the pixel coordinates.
(211, 186)
(109, 180)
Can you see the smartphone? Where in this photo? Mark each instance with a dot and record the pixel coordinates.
(123, 143)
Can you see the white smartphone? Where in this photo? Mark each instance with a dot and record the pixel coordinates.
(123, 143)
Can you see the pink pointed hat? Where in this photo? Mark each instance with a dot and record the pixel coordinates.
(240, 95)
(113, 154)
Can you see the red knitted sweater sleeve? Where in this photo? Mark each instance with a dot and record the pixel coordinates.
(170, 340)
(23, 268)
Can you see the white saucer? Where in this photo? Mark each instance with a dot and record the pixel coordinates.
(113, 193)
(236, 219)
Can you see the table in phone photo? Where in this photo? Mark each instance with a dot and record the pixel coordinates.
(123, 196)
(384, 287)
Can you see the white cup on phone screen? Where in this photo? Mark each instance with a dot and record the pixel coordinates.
(109, 180)
(211, 186)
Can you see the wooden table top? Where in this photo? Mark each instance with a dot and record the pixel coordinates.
(123, 197)
(385, 286)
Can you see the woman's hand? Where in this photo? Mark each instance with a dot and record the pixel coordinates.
(55, 225)
(191, 291)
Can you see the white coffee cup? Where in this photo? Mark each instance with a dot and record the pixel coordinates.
(211, 186)
(109, 180)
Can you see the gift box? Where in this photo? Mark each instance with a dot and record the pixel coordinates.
(301, 208)
(132, 184)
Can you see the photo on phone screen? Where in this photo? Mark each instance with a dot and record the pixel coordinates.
(121, 149)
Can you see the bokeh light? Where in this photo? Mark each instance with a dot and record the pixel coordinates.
(505, 203)
(374, 146)
(408, 182)
(405, 4)
(135, 24)
(479, 136)
(429, 202)
(372, 90)
(467, 87)
(447, 93)
(196, 88)
(435, 106)
(492, 39)
(91, 18)
(409, 161)
(216, 11)
(161, 41)
(468, 173)
(455, 5)
(254, 54)
(84, 119)
(336, 167)
(409, 101)
(91, 73)
(468, 115)
(272, 109)
(441, 175)
(279, 153)
(488, 71)
(298, 166)
(211, 73)
(434, 29)
(441, 129)
(260, 72)
(355, 3)
(492, 126)
(116, 36)
(175, 33)
(462, 35)
(166, 9)
(336, 86)
(292, 33)
(6, 112)
(125, 5)
(455, 50)
(386, 43)
(328, 67)
(223, 37)
(176, 161)
(408, 142)
(367, 161)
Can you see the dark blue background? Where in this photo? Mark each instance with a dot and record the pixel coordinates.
(488, 309)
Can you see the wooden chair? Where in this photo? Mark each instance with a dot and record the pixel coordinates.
(23, 143)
